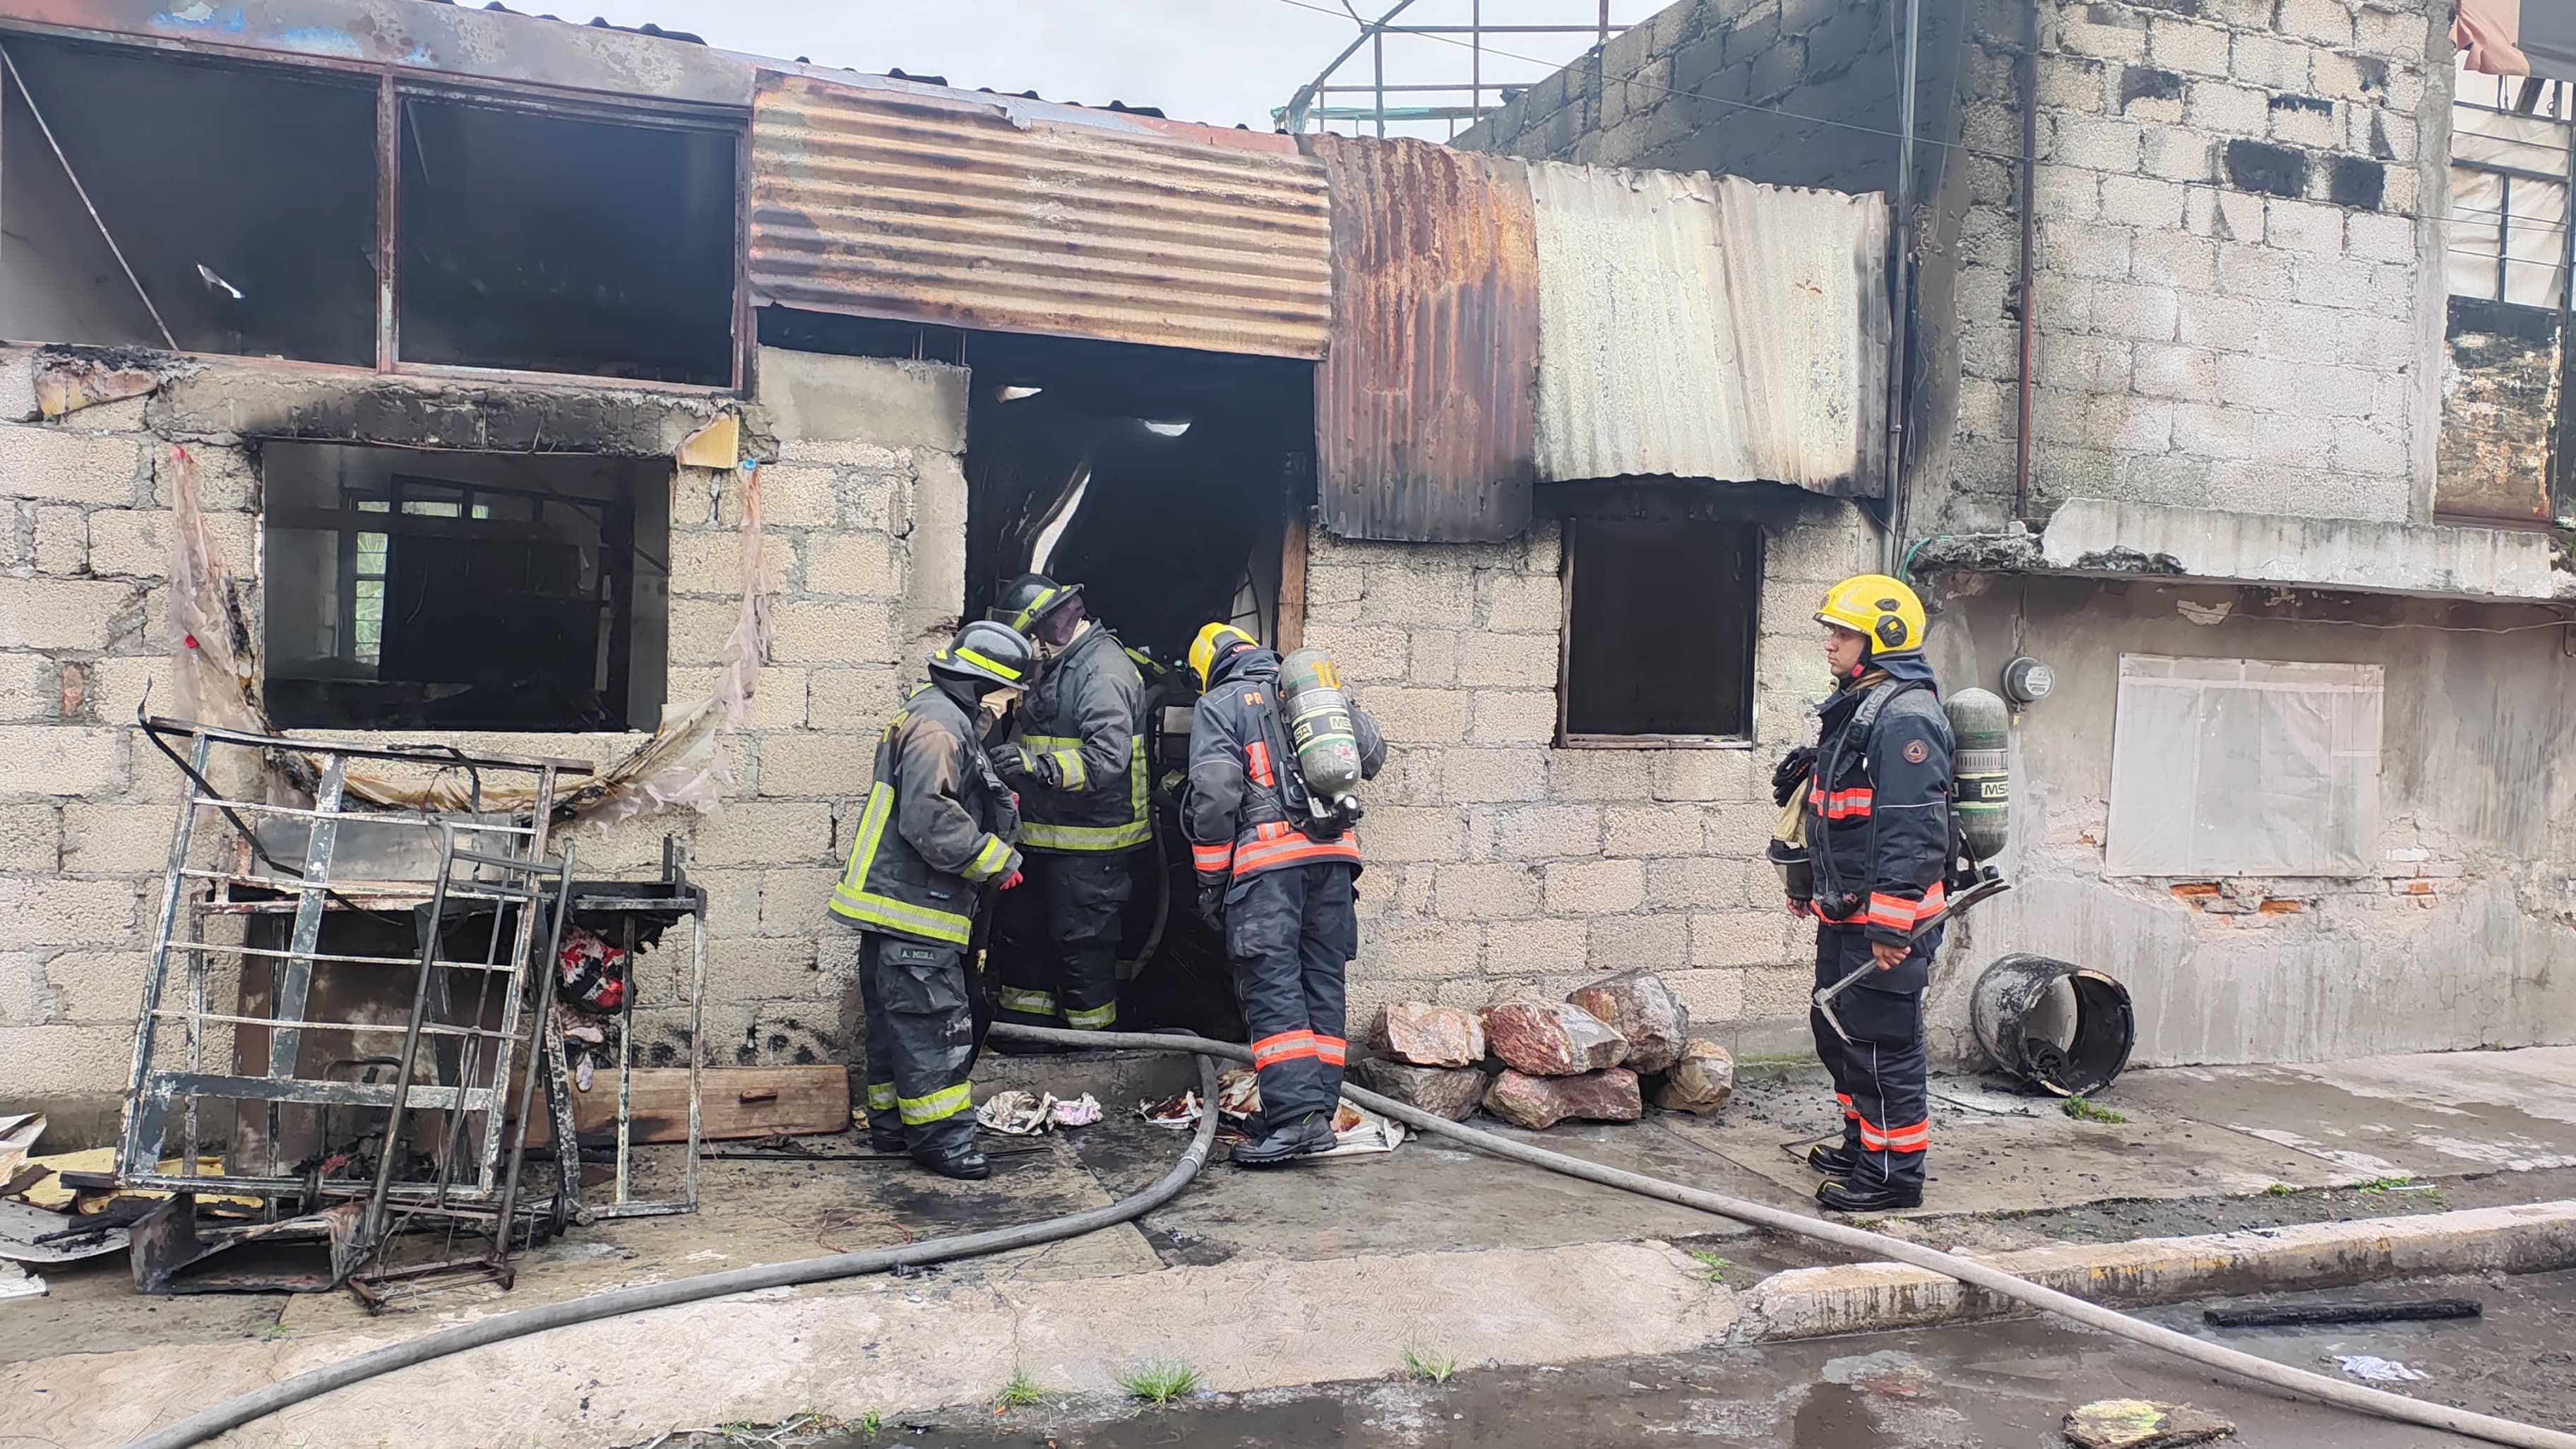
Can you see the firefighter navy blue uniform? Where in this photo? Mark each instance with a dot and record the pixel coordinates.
(1079, 767)
(937, 829)
(1879, 839)
(1289, 922)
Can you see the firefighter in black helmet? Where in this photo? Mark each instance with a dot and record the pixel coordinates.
(937, 830)
(1079, 766)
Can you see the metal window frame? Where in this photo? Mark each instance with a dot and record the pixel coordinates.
(394, 83)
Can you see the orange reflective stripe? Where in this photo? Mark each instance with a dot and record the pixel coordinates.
(1279, 843)
(1212, 859)
(1259, 753)
(1332, 1049)
(1843, 804)
(1892, 911)
(1287, 1046)
(1914, 1138)
(1934, 902)
(1845, 1099)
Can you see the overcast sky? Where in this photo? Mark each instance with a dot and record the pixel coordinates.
(1226, 61)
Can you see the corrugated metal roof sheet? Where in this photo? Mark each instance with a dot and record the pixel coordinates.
(1709, 327)
(1425, 409)
(894, 203)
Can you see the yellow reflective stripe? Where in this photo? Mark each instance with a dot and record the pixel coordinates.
(852, 899)
(1085, 837)
(1037, 606)
(972, 656)
(1021, 998)
(1070, 769)
(880, 1096)
(1051, 742)
(1093, 1019)
(1136, 783)
(938, 1106)
(988, 862)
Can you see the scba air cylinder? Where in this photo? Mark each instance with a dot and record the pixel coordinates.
(1319, 724)
(1980, 770)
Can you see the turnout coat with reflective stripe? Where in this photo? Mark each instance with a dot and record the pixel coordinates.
(1240, 776)
(1083, 727)
(937, 825)
(1880, 828)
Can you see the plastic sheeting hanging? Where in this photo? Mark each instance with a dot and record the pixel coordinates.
(214, 660)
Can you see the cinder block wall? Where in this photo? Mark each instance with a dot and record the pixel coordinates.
(865, 514)
(1497, 860)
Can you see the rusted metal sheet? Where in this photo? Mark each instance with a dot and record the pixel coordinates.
(932, 207)
(1710, 327)
(464, 41)
(1426, 417)
(2500, 385)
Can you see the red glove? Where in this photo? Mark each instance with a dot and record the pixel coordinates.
(1011, 880)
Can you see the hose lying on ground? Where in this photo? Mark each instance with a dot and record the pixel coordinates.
(1967, 1270)
(234, 1413)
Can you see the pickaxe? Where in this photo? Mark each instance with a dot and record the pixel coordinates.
(1990, 886)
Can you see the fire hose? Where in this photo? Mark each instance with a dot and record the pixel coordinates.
(2334, 1392)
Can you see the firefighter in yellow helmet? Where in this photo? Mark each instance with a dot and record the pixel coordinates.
(1879, 841)
(1276, 883)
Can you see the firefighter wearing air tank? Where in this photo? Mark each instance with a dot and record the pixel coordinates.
(1079, 767)
(936, 834)
(1879, 840)
(1275, 752)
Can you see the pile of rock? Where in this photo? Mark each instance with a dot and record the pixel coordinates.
(1534, 1062)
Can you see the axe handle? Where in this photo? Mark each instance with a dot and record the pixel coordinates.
(1967, 898)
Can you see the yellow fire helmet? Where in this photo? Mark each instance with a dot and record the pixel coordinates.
(1214, 640)
(1878, 606)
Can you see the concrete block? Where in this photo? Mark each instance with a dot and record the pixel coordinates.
(1654, 942)
(1415, 832)
(2376, 237)
(2321, 22)
(101, 987)
(797, 902)
(2189, 374)
(1526, 661)
(2228, 109)
(57, 912)
(1545, 832)
(699, 628)
(2067, 195)
(795, 495)
(1415, 951)
(1366, 654)
(116, 838)
(1703, 774)
(1485, 891)
(2096, 143)
(2255, 272)
(811, 765)
(227, 481)
(1432, 590)
(2180, 480)
(934, 587)
(135, 543)
(31, 686)
(1711, 996)
(62, 539)
(2305, 121)
(857, 699)
(843, 453)
(61, 760)
(819, 633)
(1595, 888)
(2367, 447)
(64, 613)
(2268, 62)
(2207, 320)
(777, 698)
(1520, 603)
(66, 1061)
(1598, 774)
(2177, 154)
(1471, 775)
(710, 564)
(2306, 227)
(60, 466)
(862, 565)
(2142, 313)
(2103, 32)
(1419, 716)
(1651, 831)
(1512, 717)
(762, 832)
(2174, 260)
(1432, 656)
(1784, 990)
(1707, 883)
(31, 838)
(2179, 44)
(2146, 202)
(2084, 249)
(1532, 948)
(892, 403)
(1739, 831)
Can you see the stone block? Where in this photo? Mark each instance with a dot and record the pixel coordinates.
(1651, 830)
(817, 633)
(1525, 661)
(60, 760)
(799, 764)
(1444, 1092)
(1744, 938)
(1485, 891)
(60, 466)
(1538, 1103)
(1474, 776)
(1595, 888)
(63, 613)
(1418, 716)
(1547, 1038)
(1429, 1036)
(1701, 1081)
(1640, 1007)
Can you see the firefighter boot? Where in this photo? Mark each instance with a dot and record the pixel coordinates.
(1863, 1195)
(1304, 1137)
(966, 1163)
(1833, 1161)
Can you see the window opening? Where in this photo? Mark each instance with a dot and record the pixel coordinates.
(1659, 629)
(465, 590)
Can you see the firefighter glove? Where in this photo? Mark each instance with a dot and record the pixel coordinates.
(1012, 880)
(1212, 905)
(1794, 767)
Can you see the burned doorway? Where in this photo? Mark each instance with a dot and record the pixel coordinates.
(1164, 482)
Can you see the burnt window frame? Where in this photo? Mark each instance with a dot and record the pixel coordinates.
(1755, 539)
(394, 84)
(2552, 102)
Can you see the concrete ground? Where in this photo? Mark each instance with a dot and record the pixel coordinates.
(1419, 1235)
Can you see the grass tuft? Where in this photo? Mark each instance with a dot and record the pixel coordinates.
(1021, 1392)
(1424, 1366)
(870, 1423)
(1159, 1381)
(2084, 1111)
(1716, 1265)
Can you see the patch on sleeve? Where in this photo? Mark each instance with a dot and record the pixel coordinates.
(1916, 752)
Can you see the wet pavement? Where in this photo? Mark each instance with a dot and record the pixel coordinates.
(2005, 1385)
